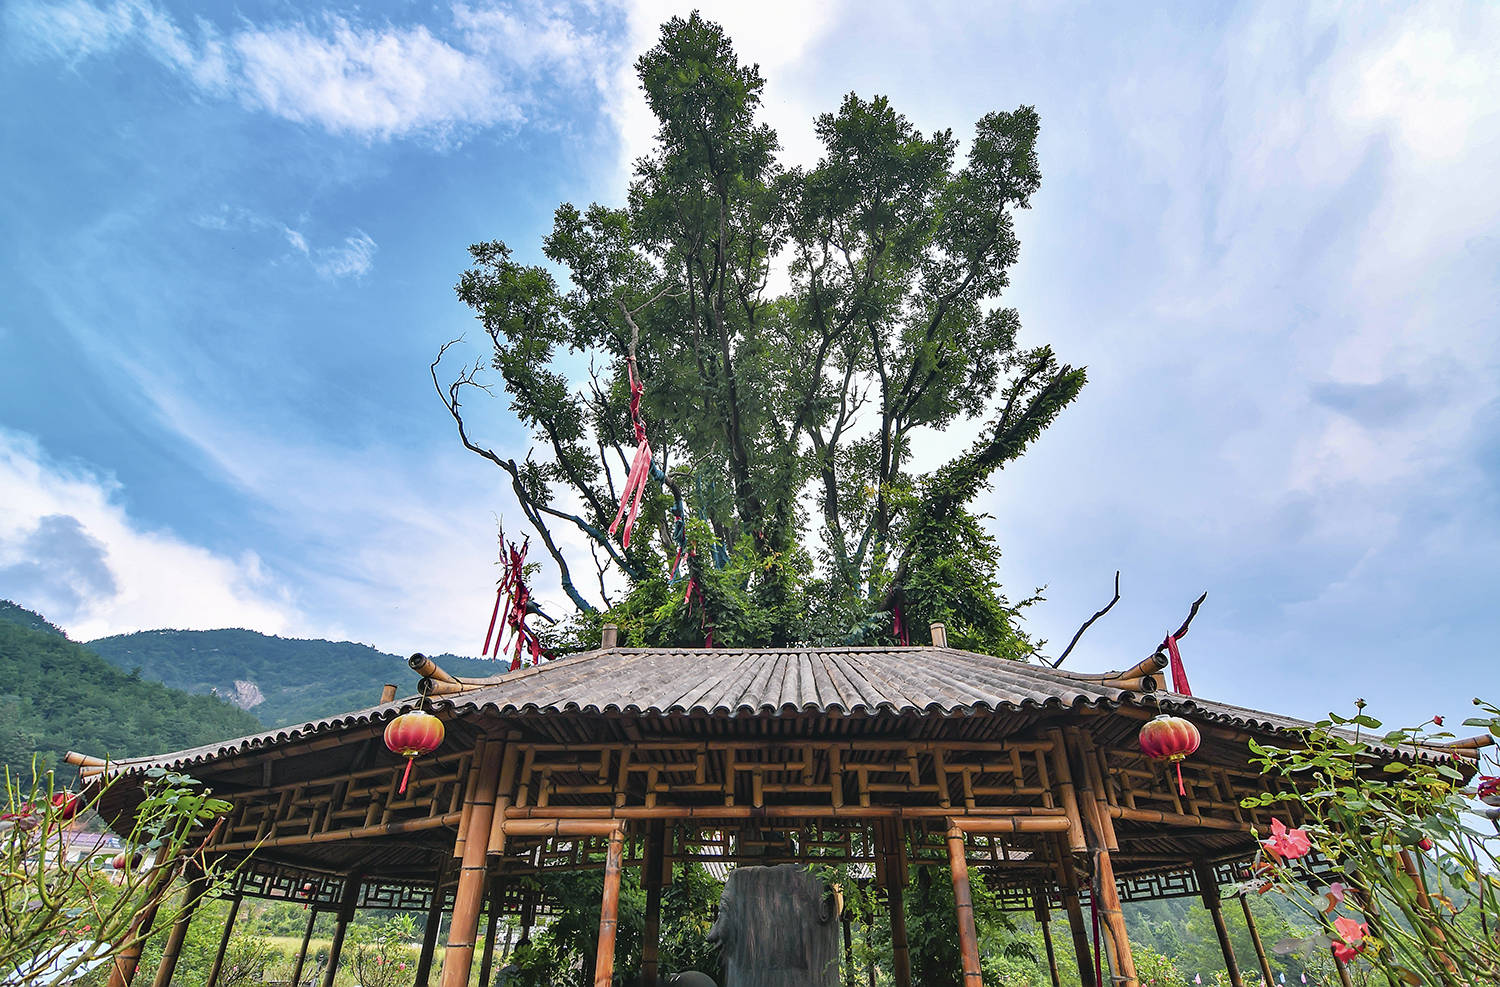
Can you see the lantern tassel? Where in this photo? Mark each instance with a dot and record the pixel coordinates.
(405, 775)
(1181, 790)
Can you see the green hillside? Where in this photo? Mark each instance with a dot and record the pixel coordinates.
(56, 695)
(282, 681)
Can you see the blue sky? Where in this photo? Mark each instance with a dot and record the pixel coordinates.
(1273, 235)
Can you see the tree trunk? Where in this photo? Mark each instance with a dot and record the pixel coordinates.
(777, 928)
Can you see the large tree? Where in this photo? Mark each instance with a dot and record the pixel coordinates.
(799, 332)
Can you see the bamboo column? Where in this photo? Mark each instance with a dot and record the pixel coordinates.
(1043, 914)
(1094, 810)
(197, 884)
(218, 964)
(430, 930)
(609, 912)
(1260, 949)
(492, 920)
(651, 877)
(963, 905)
(1343, 970)
(463, 927)
(849, 971)
(893, 865)
(129, 958)
(1068, 881)
(312, 917)
(346, 915)
(1208, 886)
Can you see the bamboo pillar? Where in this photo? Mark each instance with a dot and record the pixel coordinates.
(651, 877)
(463, 927)
(312, 917)
(1424, 905)
(492, 920)
(1095, 811)
(894, 853)
(170, 952)
(1068, 881)
(849, 971)
(1208, 886)
(1040, 907)
(218, 964)
(963, 905)
(609, 912)
(1260, 949)
(129, 958)
(430, 930)
(346, 915)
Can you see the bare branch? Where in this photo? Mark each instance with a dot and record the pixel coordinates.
(1182, 631)
(1087, 623)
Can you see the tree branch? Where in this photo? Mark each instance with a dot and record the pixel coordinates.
(1087, 623)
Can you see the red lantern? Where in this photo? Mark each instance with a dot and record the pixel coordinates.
(122, 861)
(1489, 790)
(1170, 738)
(411, 735)
(66, 804)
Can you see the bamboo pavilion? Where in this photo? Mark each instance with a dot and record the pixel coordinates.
(894, 758)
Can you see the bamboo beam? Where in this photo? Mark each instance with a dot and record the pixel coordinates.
(458, 958)
(347, 904)
(1208, 886)
(609, 912)
(1012, 824)
(339, 835)
(218, 964)
(1260, 949)
(1176, 819)
(963, 904)
(172, 949)
(312, 917)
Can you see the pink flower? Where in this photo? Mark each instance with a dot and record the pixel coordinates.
(1352, 936)
(1437, 720)
(1286, 844)
(1333, 896)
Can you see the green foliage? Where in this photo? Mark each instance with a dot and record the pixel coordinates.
(60, 915)
(784, 421)
(280, 668)
(379, 953)
(58, 695)
(1416, 894)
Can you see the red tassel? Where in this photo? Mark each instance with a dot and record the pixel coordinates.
(405, 775)
(494, 615)
(1179, 673)
(1180, 789)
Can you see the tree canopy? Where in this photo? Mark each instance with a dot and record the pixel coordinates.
(800, 333)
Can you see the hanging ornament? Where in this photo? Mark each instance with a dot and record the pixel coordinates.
(1170, 738)
(640, 466)
(514, 596)
(411, 735)
(1489, 790)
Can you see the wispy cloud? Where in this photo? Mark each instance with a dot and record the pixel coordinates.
(375, 81)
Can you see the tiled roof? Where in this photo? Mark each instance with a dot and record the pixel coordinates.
(760, 682)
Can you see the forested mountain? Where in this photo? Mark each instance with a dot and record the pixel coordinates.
(56, 695)
(279, 680)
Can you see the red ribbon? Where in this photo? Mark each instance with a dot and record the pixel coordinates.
(640, 466)
(898, 627)
(1179, 673)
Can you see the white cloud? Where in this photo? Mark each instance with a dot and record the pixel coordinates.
(379, 82)
(354, 257)
(70, 549)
